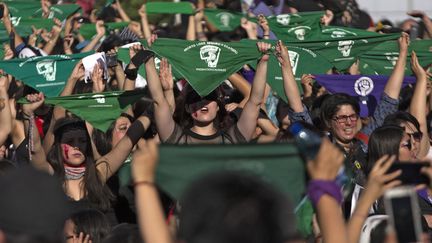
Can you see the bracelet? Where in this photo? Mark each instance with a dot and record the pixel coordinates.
(145, 183)
(131, 74)
(317, 188)
(266, 35)
(27, 117)
(135, 132)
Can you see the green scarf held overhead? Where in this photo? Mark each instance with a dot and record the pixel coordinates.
(88, 30)
(206, 64)
(23, 9)
(342, 50)
(23, 27)
(47, 74)
(303, 61)
(59, 11)
(99, 109)
(169, 8)
(296, 27)
(278, 164)
(382, 59)
(223, 20)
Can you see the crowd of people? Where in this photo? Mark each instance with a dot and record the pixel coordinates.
(63, 179)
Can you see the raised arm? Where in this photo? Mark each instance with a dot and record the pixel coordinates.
(378, 183)
(9, 26)
(150, 216)
(248, 118)
(167, 82)
(123, 15)
(100, 32)
(38, 159)
(5, 112)
(323, 171)
(55, 34)
(394, 84)
(164, 121)
(426, 20)
(418, 103)
(108, 164)
(290, 86)
(144, 22)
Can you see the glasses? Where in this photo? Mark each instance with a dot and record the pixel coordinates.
(407, 144)
(416, 136)
(344, 119)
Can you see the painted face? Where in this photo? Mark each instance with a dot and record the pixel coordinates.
(74, 144)
(121, 126)
(407, 152)
(204, 112)
(414, 134)
(344, 124)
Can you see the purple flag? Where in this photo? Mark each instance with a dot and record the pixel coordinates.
(367, 88)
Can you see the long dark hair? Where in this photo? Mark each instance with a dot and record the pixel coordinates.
(95, 190)
(383, 140)
(92, 222)
(189, 96)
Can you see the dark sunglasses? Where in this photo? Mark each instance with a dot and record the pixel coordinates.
(417, 136)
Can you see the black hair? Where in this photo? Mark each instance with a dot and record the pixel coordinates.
(188, 96)
(92, 222)
(383, 140)
(399, 117)
(126, 233)
(95, 190)
(331, 105)
(235, 206)
(109, 133)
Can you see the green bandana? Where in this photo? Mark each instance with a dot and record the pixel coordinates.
(60, 11)
(23, 9)
(296, 27)
(23, 27)
(342, 50)
(206, 64)
(279, 164)
(99, 109)
(88, 30)
(303, 61)
(382, 59)
(169, 8)
(47, 74)
(223, 20)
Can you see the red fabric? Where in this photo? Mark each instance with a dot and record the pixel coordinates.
(86, 5)
(362, 137)
(39, 124)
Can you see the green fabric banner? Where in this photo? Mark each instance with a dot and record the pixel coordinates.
(24, 9)
(206, 64)
(23, 26)
(60, 11)
(303, 61)
(169, 8)
(279, 164)
(382, 59)
(88, 30)
(297, 27)
(342, 50)
(223, 20)
(99, 109)
(47, 74)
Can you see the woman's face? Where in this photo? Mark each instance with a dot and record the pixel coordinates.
(205, 113)
(121, 126)
(414, 134)
(344, 124)
(407, 151)
(73, 145)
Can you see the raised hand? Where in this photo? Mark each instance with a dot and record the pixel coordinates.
(327, 163)
(379, 181)
(416, 68)
(165, 75)
(263, 23)
(144, 161)
(78, 71)
(36, 100)
(264, 48)
(97, 78)
(404, 42)
(282, 53)
(100, 28)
